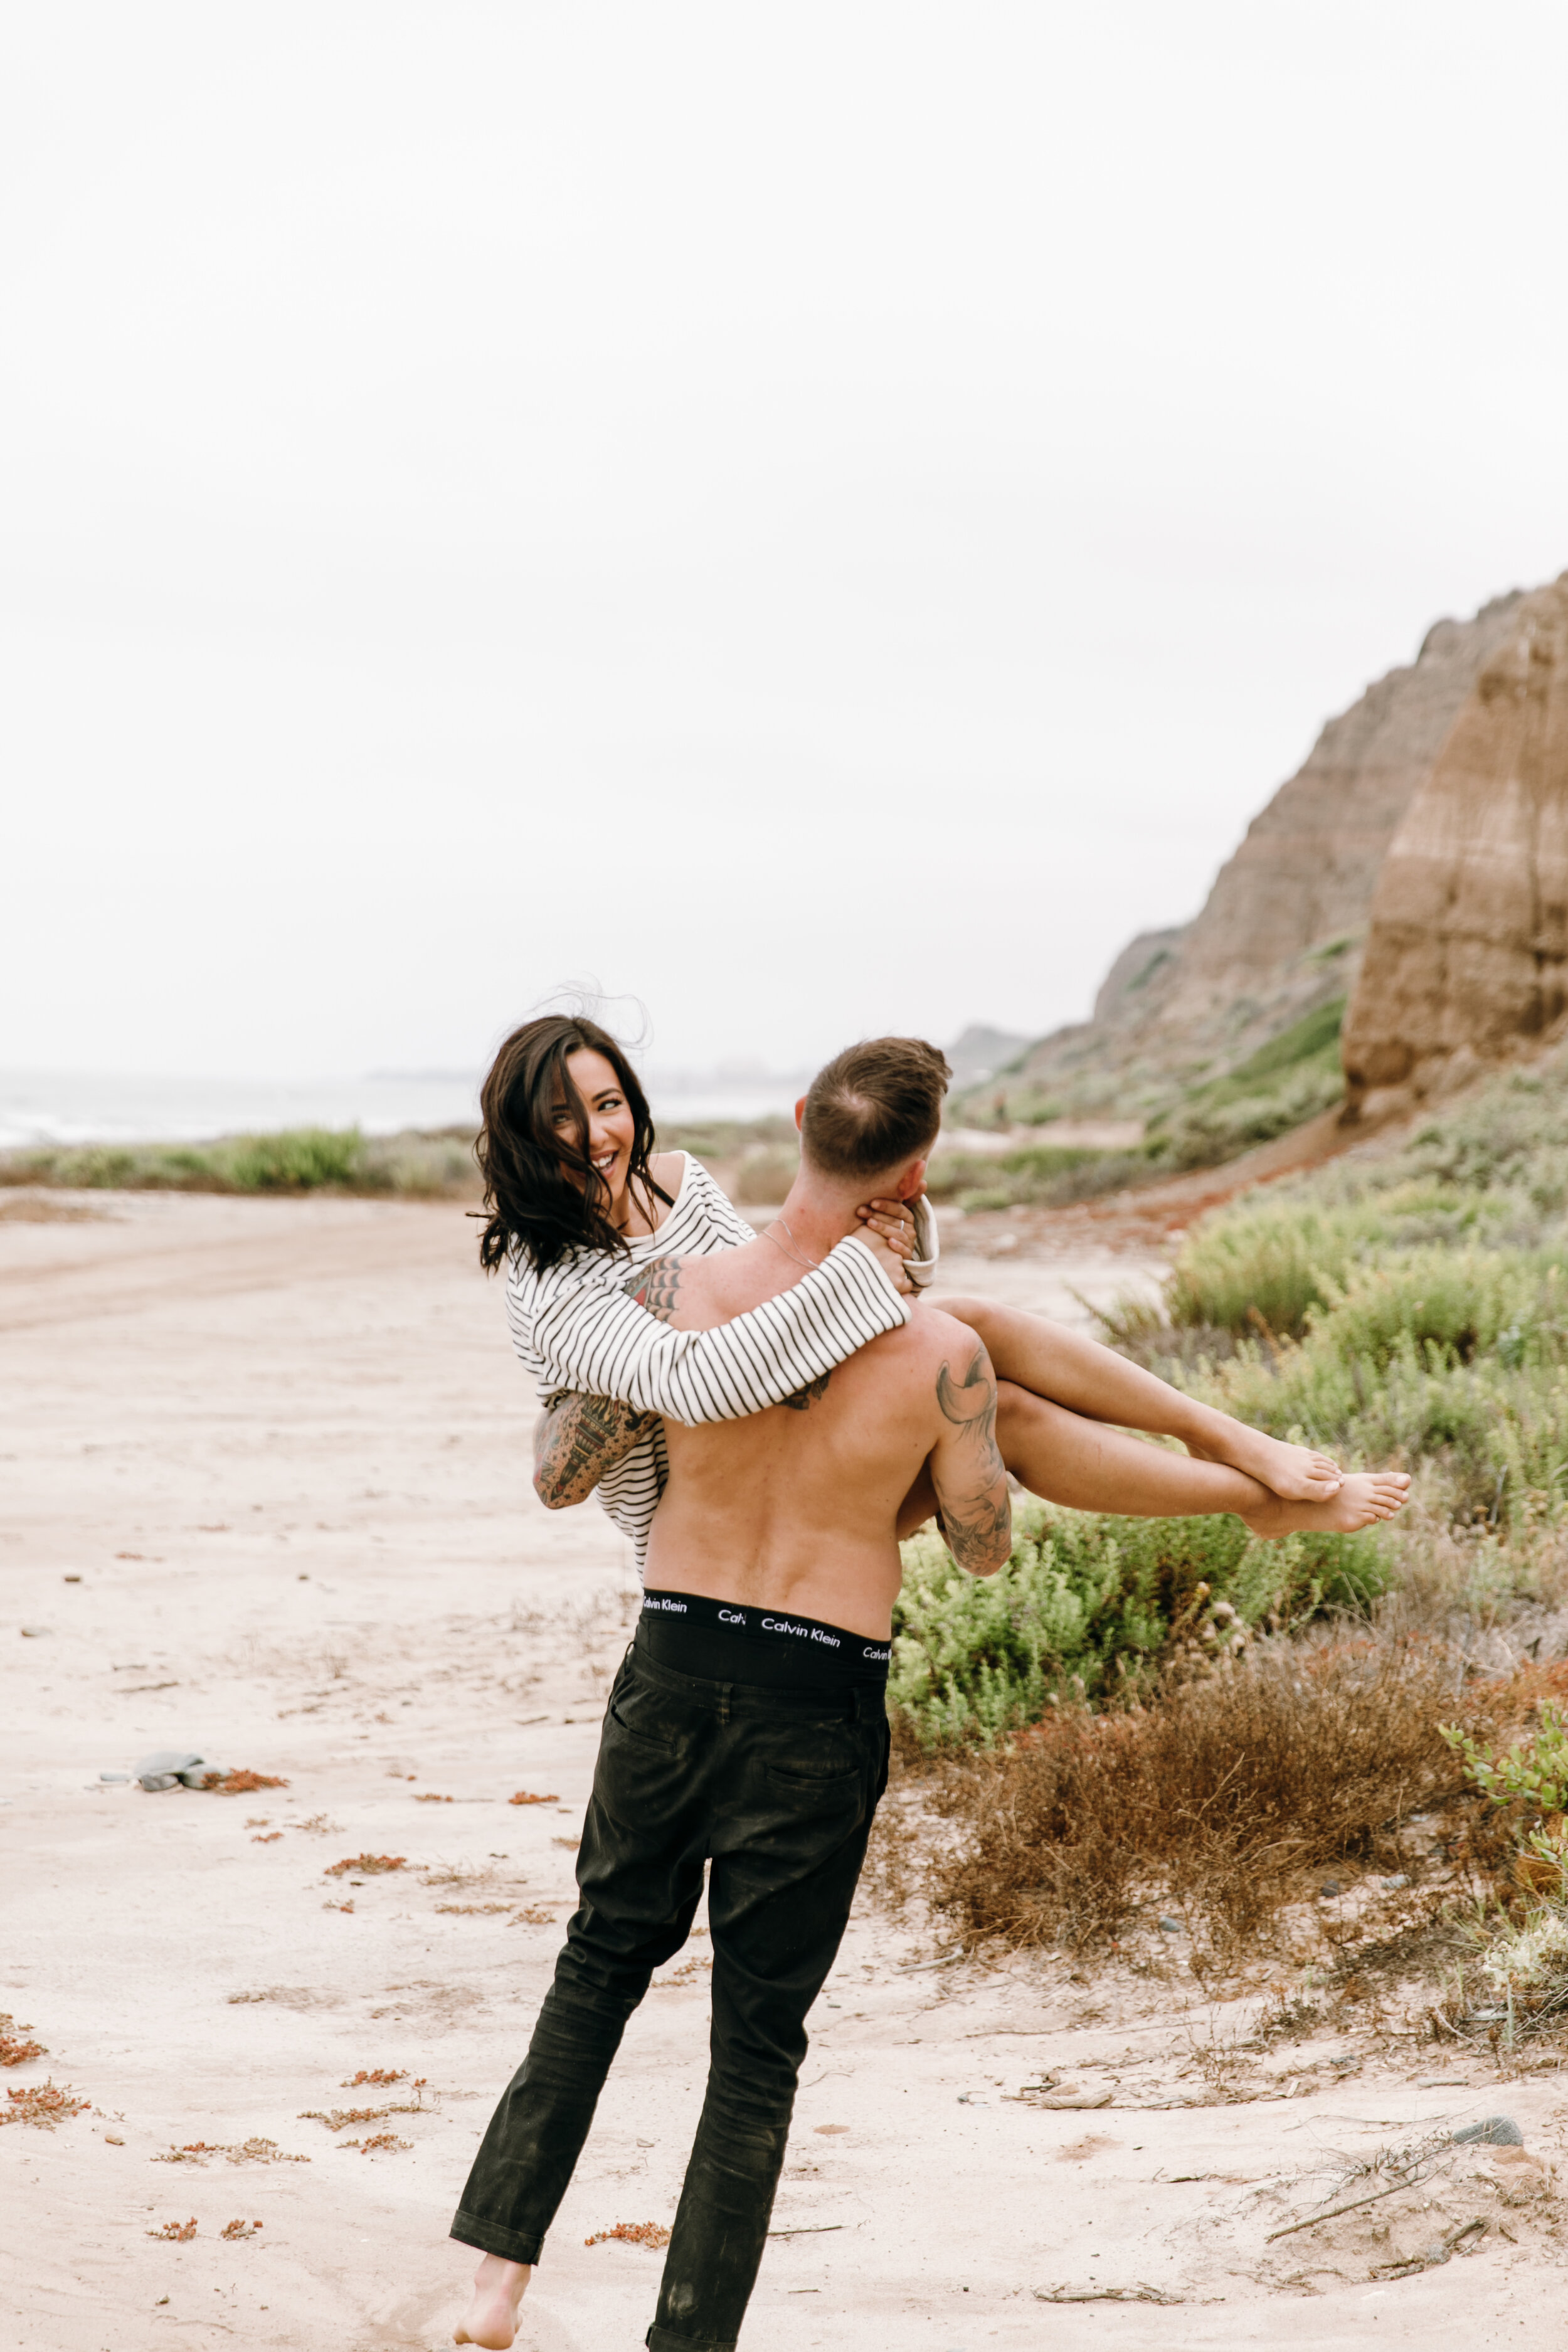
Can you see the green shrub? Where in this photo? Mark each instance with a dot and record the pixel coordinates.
(1272, 1260)
(1534, 1773)
(1441, 1307)
(1088, 1600)
(1459, 1360)
(296, 1160)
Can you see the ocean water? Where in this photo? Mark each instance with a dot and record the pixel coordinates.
(42, 1106)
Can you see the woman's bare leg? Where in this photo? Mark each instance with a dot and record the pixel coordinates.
(1083, 1463)
(1091, 1467)
(1095, 1382)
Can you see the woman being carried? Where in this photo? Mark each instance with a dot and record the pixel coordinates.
(591, 1225)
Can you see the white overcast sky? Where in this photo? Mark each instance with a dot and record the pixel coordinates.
(825, 518)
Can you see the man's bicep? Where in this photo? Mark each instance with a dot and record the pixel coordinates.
(967, 1471)
(577, 1439)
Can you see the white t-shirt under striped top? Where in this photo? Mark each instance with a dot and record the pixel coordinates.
(578, 1329)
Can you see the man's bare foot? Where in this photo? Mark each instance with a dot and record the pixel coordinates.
(1296, 1474)
(491, 2318)
(1364, 1496)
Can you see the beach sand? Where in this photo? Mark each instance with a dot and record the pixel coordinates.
(266, 1497)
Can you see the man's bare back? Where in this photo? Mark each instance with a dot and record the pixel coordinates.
(795, 1508)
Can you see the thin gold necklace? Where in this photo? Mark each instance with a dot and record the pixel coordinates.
(798, 1255)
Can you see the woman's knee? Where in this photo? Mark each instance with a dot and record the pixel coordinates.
(1019, 1411)
(978, 1313)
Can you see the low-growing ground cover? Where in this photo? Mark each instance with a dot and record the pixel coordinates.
(1090, 1606)
(416, 1166)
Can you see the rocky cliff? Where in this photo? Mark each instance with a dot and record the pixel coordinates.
(1279, 942)
(1467, 954)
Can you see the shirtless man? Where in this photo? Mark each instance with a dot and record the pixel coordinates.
(747, 1727)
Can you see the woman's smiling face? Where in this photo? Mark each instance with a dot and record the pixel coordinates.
(612, 1129)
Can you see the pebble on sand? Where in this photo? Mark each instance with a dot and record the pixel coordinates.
(1492, 2131)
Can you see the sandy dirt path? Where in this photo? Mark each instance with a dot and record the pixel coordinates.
(264, 1494)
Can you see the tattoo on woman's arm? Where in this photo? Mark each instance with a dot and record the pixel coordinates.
(657, 1287)
(578, 1439)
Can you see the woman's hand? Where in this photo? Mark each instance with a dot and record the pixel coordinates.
(888, 1227)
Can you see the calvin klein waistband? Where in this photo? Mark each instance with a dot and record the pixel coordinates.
(737, 1642)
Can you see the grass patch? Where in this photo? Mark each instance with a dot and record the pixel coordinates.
(1292, 1078)
(416, 1165)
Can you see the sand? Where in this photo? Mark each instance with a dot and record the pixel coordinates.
(282, 1447)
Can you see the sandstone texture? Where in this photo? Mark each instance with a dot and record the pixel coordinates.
(1299, 889)
(1282, 931)
(1467, 954)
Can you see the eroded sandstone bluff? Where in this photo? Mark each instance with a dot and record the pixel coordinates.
(1466, 952)
(1283, 930)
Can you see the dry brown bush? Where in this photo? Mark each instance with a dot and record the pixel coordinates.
(1216, 1797)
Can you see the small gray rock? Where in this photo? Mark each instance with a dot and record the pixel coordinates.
(164, 1767)
(1492, 2131)
(1169, 1926)
(1330, 1886)
(121, 1777)
(1401, 1878)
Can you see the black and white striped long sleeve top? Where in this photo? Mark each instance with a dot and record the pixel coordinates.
(578, 1329)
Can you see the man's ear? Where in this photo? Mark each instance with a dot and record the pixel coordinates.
(912, 1182)
(800, 1115)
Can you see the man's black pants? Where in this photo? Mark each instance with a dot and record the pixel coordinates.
(777, 1787)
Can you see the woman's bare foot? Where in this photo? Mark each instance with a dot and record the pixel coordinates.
(1296, 1474)
(1364, 1496)
(491, 2318)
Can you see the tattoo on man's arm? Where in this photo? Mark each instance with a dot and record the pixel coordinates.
(577, 1439)
(976, 1516)
(972, 1402)
(804, 1399)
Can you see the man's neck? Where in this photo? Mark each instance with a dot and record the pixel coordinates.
(817, 1217)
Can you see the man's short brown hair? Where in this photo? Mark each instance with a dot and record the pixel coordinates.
(875, 1105)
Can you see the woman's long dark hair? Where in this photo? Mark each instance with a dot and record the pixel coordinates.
(534, 1205)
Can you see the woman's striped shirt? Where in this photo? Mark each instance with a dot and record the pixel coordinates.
(577, 1330)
